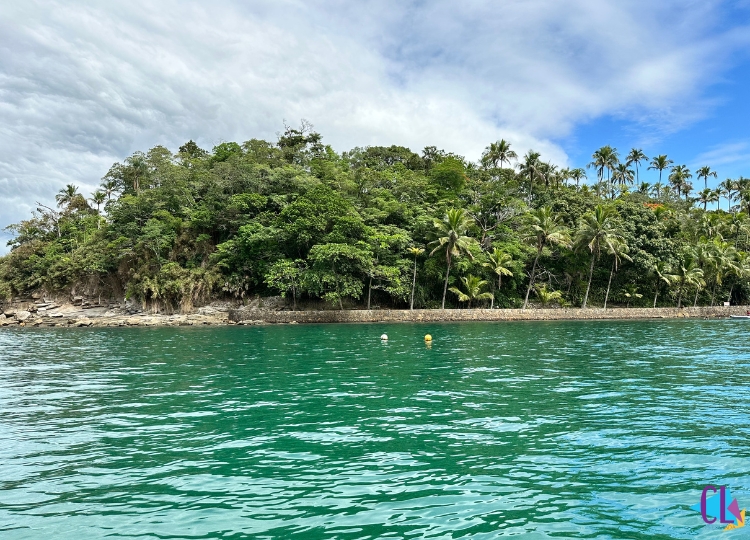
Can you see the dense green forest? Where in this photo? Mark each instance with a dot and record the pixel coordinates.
(385, 227)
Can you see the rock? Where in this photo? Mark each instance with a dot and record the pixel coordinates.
(85, 321)
(10, 312)
(133, 321)
(77, 300)
(22, 315)
(56, 315)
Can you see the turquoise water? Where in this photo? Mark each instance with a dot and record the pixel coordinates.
(533, 430)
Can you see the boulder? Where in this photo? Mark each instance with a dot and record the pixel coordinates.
(77, 300)
(9, 312)
(85, 321)
(22, 315)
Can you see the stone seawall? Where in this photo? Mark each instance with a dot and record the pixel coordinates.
(257, 316)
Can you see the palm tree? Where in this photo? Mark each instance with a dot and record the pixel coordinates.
(498, 152)
(630, 291)
(544, 229)
(109, 187)
(644, 188)
(635, 157)
(66, 195)
(716, 197)
(577, 175)
(678, 177)
(498, 262)
(705, 172)
(598, 229)
(451, 232)
(619, 250)
(606, 158)
(530, 168)
(727, 187)
(98, 198)
(723, 261)
(473, 286)
(546, 296)
(688, 273)
(662, 274)
(706, 196)
(622, 175)
(660, 163)
(416, 252)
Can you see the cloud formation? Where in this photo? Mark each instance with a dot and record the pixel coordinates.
(85, 84)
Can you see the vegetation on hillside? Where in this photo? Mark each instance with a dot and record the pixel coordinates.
(387, 227)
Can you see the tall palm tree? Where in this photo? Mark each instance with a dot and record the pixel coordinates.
(619, 250)
(66, 195)
(544, 229)
(498, 152)
(451, 233)
(679, 177)
(109, 188)
(498, 261)
(634, 157)
(706, 196)
(644, 188)
(622, 175)
(530, 168)
(716, 197)
(604, 159)
(416, 252)
(98, 198)
(662, 273)
(577, 175)
(660, 163)
(704, 172)
(723, 261)
(473, 286)
(728, 186)
(598, 229)
(688, 273)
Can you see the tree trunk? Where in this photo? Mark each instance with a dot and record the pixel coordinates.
(657, 294)
(369, 293)
(606, 296)
(713, 294)
(695, 302)
(413, 284)
(531, 278)
(679, 297)
(294, 298)
(588, 287)
(447, 273)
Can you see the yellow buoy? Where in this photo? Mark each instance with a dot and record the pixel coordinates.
(428, 337)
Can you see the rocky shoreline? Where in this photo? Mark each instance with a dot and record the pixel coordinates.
(79, 313)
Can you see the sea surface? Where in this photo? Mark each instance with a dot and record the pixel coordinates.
(592, 429)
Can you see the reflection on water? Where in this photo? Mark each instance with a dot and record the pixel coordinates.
(565, 429)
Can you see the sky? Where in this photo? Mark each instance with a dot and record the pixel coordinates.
(84, 84)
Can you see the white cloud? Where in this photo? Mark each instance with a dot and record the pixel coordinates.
(726, 154)
(84, 84)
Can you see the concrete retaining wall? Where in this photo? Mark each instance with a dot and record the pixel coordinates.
(438, 315)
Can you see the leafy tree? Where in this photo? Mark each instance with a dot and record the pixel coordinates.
(285, 275)
(336, 271)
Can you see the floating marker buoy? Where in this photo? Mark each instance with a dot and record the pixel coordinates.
(384, 337)
(428, 337)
